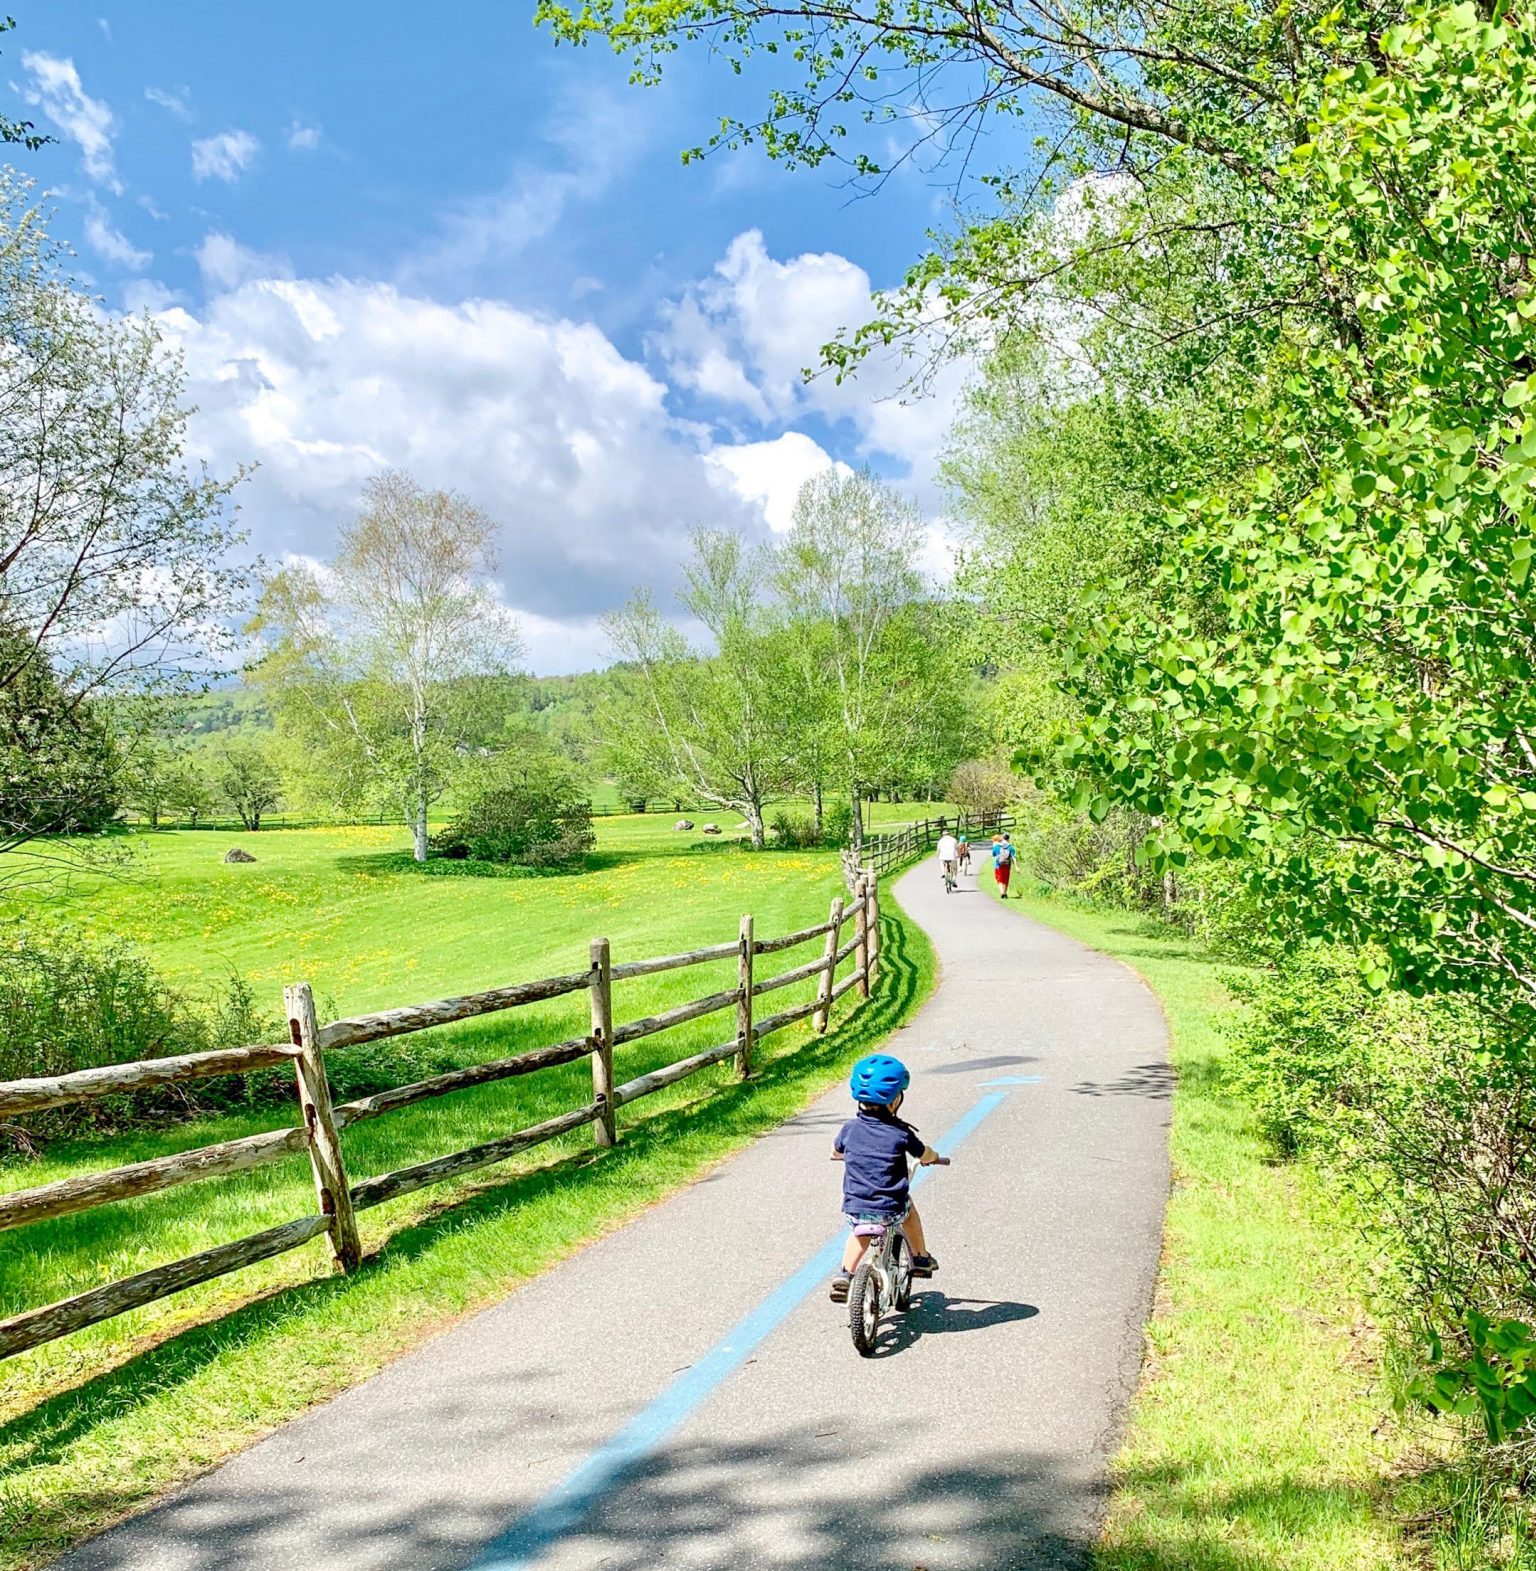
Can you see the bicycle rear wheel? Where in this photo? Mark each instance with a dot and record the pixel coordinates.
(864, 1307)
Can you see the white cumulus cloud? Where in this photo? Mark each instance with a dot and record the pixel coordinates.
(744, 338)
(303, 138)
(225, 156)
(54, 89)
(770, 474)
(554, 432)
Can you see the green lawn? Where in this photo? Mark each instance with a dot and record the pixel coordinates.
(98, 1423)
(1262, 1437)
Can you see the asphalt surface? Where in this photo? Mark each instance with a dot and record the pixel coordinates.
(682, 1394)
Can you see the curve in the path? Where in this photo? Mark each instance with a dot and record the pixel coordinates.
(682, 1394)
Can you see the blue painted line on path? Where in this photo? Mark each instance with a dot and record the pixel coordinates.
(1015, 1080)
(564, 1508)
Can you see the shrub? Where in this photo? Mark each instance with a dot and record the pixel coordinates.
(837, 823)
(793, 829)
(531, 811)
(799, 829)
(1425, 1120)
(67, 1003)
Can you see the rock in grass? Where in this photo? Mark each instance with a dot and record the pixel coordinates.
(235, 854)
(683, 823)
(710, 829)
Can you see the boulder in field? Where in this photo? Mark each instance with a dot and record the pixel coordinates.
(235, 854)
(683, 823)
(710, 829)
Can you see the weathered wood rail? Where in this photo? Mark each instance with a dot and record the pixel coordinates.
(321, 1124)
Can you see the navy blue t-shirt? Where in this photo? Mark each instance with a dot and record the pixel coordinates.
(875, 1147)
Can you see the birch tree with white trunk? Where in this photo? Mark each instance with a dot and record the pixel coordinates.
(383, 663)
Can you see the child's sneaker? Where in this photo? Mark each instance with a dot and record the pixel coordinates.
(839, 1290)
(922, 1265)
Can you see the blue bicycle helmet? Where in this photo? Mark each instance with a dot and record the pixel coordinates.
(879, 1079)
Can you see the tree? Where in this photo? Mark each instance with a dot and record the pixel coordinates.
(21, 133)
(248, 781)
(1350, 714)
(711, 718)
(188, 792)
(884, 686)
(981, 786)
(58, 759)
(388, 664)
(116, 567)
(149, 778)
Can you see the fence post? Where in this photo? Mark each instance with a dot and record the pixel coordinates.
(823, 1009)
(874, 927)
(325, 1159)
(604, 1131)
(861, 934)
(744, 1001)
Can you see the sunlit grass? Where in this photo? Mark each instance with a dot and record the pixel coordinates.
(1262, 1437)
(98, 1423)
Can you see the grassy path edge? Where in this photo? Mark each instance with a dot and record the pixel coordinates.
(1260, 1437)
(106, 1440)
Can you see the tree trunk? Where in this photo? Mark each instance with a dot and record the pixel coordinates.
(817, 799)
(856, 830)
(754, 817)
(419, 826)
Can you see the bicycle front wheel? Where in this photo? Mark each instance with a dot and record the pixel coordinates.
(864, 1307)
(901, 1274)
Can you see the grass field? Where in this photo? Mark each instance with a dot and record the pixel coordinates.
(97, 1423)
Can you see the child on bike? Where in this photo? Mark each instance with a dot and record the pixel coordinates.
(873, 1148)
(965, 853)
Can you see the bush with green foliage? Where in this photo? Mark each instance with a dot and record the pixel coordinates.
(530, 810)
(1418, 1110)
(68, 1003)
(798, 830)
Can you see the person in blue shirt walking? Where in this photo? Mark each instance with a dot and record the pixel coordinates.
(874, 1147)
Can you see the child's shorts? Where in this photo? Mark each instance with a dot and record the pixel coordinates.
(877, 1218)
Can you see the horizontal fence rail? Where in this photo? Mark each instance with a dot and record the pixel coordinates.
(322, 1124)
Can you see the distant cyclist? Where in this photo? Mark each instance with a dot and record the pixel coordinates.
(949, 859)
(965, 854)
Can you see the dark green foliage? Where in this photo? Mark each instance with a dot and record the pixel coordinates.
(58, 764)
(530, 810)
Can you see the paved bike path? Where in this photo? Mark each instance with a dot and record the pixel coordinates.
(682, 1394)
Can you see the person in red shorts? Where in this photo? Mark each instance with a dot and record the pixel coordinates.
(1002, 864)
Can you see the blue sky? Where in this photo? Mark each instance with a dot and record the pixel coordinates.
(427, 238)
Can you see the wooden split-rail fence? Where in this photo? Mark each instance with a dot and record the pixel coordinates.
(877, 855)
(323, 1124)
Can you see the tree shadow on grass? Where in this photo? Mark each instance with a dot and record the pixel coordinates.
(716, 1119)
